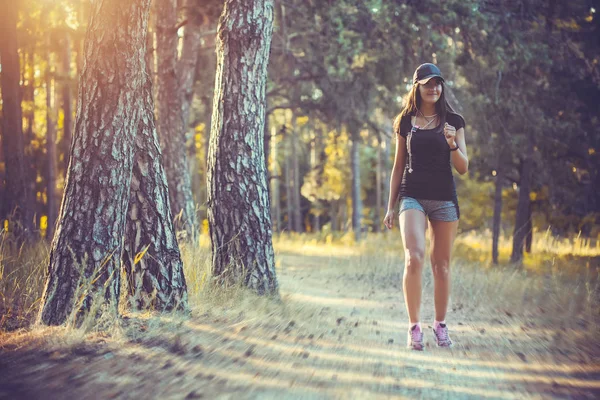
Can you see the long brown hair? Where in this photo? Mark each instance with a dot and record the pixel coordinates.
(413, 103)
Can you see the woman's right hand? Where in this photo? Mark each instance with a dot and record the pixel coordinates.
(388, 221)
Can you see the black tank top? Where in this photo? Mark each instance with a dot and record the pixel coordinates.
(431, 177)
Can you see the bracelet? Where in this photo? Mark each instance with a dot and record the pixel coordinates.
(454, 149)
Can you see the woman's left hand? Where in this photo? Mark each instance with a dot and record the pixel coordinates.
(450, 135)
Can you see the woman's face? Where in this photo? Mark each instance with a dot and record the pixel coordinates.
(431, 91)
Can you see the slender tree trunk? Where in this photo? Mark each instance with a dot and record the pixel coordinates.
(186, 73)
(497, 209)
(275, 181)
(378, 186)
(289, 180)
(355, 165)
(334, 215)
(522, 216)
(529, 238)
(29, 97)
(238, 200)
(67, 99)
(296, 208)
(19, 200)
(387, 167)
(151, 256)
(186, 67)
(171, 126)
(87, 246)
(51, 154)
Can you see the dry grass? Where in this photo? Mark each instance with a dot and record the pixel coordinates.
(565, 299)
(340, 308)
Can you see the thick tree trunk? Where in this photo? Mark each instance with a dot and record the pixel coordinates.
(522, 217)
(87, 246)
(497, 210)
(19, 199)
(171, 126)
(355, 166)
(238, 200)
(51, 154)
(67, 99)
(151, 256)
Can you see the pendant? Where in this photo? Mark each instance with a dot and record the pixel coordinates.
(410, 170)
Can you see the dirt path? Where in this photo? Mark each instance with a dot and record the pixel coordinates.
(341, 334)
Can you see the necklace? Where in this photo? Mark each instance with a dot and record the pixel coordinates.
(426, 118)
(412, 132)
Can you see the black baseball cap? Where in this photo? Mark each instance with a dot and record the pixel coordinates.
(425, 72)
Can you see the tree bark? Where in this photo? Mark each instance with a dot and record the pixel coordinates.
(171, 125)
(51, 154)
(387, 167)
(523, 205)
(151, 256)
(529, 238)
(355, 165)
(87, 246)
(275, 181)
(497, 220)
(238, 200)
(186, 67)
(378, 186)
(289, 186)
(296, 208)
(67, 100)
(19, 199)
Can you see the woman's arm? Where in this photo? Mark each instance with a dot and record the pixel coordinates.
(397, 172)
(459, 157)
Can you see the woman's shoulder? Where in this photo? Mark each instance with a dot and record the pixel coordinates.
(405, 124)
(455, 119)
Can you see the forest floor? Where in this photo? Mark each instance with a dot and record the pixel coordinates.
(338, 333)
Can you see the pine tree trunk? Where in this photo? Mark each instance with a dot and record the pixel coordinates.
(89, 235)
(296, 208)
(238, 201)
(378, 186)
(67, 100)
(275, 182)
(387, 167)
(186, 67)
(529, 238)
(186, 73)
(151, 256)
(171, 126)
(497, 210)
(522, 217)
(51, 154)
(19, 200)
(288, 181)
(355, 165)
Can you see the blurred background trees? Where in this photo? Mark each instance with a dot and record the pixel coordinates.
(524, 74)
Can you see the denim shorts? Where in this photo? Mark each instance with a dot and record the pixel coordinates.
(436, 210)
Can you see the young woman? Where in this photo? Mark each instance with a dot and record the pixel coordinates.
(430, 139)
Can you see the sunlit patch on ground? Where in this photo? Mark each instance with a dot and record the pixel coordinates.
(337, 332)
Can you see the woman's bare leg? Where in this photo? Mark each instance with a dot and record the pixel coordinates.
(412, 226)
(442, 239)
